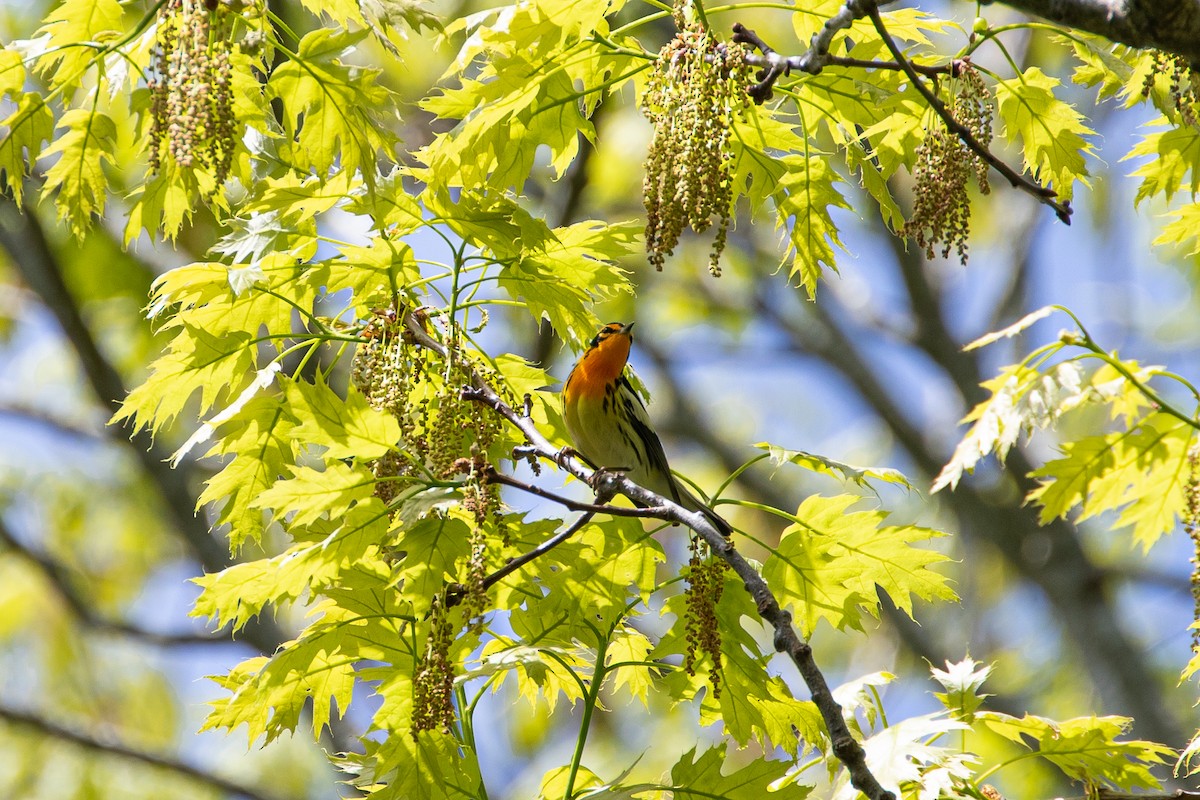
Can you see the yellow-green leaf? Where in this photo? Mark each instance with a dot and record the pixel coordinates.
(829, 563)
(89, 140)
(346, 428)
(24, 130)
(1051, 133)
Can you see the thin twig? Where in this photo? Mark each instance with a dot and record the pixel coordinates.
(817, 57)
(573, 505)
(786, 640)
(456, 592)
(1042, 194)
(812, 61)
(72, 735)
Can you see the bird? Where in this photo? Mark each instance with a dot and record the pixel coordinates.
(610, 427)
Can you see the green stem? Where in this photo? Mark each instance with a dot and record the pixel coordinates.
(1088, 343)
(589, 707)
(987, 773)
(737, 473)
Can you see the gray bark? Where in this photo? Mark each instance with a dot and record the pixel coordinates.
(1172, 26)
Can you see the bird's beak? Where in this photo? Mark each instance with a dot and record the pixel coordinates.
(628, 329)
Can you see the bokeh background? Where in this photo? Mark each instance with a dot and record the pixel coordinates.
(99, 536)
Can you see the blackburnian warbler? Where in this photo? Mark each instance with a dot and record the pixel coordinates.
(610, 426)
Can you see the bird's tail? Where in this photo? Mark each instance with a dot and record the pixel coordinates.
(693, 503)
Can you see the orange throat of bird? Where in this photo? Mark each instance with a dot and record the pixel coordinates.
(600, 366)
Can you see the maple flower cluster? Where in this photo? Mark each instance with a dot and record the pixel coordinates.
(697, 90)
(941, 204)
(1184, 85)
(191, 95)
(433, 683)
(1191, 524)
(705, 576)
(440, 431)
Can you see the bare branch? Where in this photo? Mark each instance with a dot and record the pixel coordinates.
(786, 639)
(72, 735)
(774, 66)
(1172, 26)
(574, 505)
(813, 61)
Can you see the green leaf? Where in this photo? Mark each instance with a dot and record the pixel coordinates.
(807, 191)
(1172, 157)
(828, 564)
(341, 12)
(12, 73)
(539, 65)
(630, 645)
(217, 365)
(1143, 470)
(30, 124)
(1086, 749)
(310, 494)
(592, 574)
(1051, 133)
(562, 277)
(557, 274)
(89, 140)
(704, 777)
(1105, 64)
(544, 671)
(860, 476)
(345, 428)
(962, 681)
(75, 32)
(269, 696)
(435, 550)
(332, 111)
(164, 201)
(260, 439)
(1183, 230)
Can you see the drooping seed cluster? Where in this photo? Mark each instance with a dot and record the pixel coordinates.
(1191, 524)
(1184, 81)
(944, 163)
(442, 434)
(391, 374)
(191, 94)
(973, 108)
(439, 428)
(697, 90)
(433, 683)
(705, 576)
(461, 427)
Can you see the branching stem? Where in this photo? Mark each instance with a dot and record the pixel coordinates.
(774, 65)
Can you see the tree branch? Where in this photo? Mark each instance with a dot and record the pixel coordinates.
(1041, 193)
(817, 57)
(63, 733)
(1172, 26)
(786, 640)
(813, 61)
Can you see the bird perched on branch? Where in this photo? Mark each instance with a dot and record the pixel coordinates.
(610, 426)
